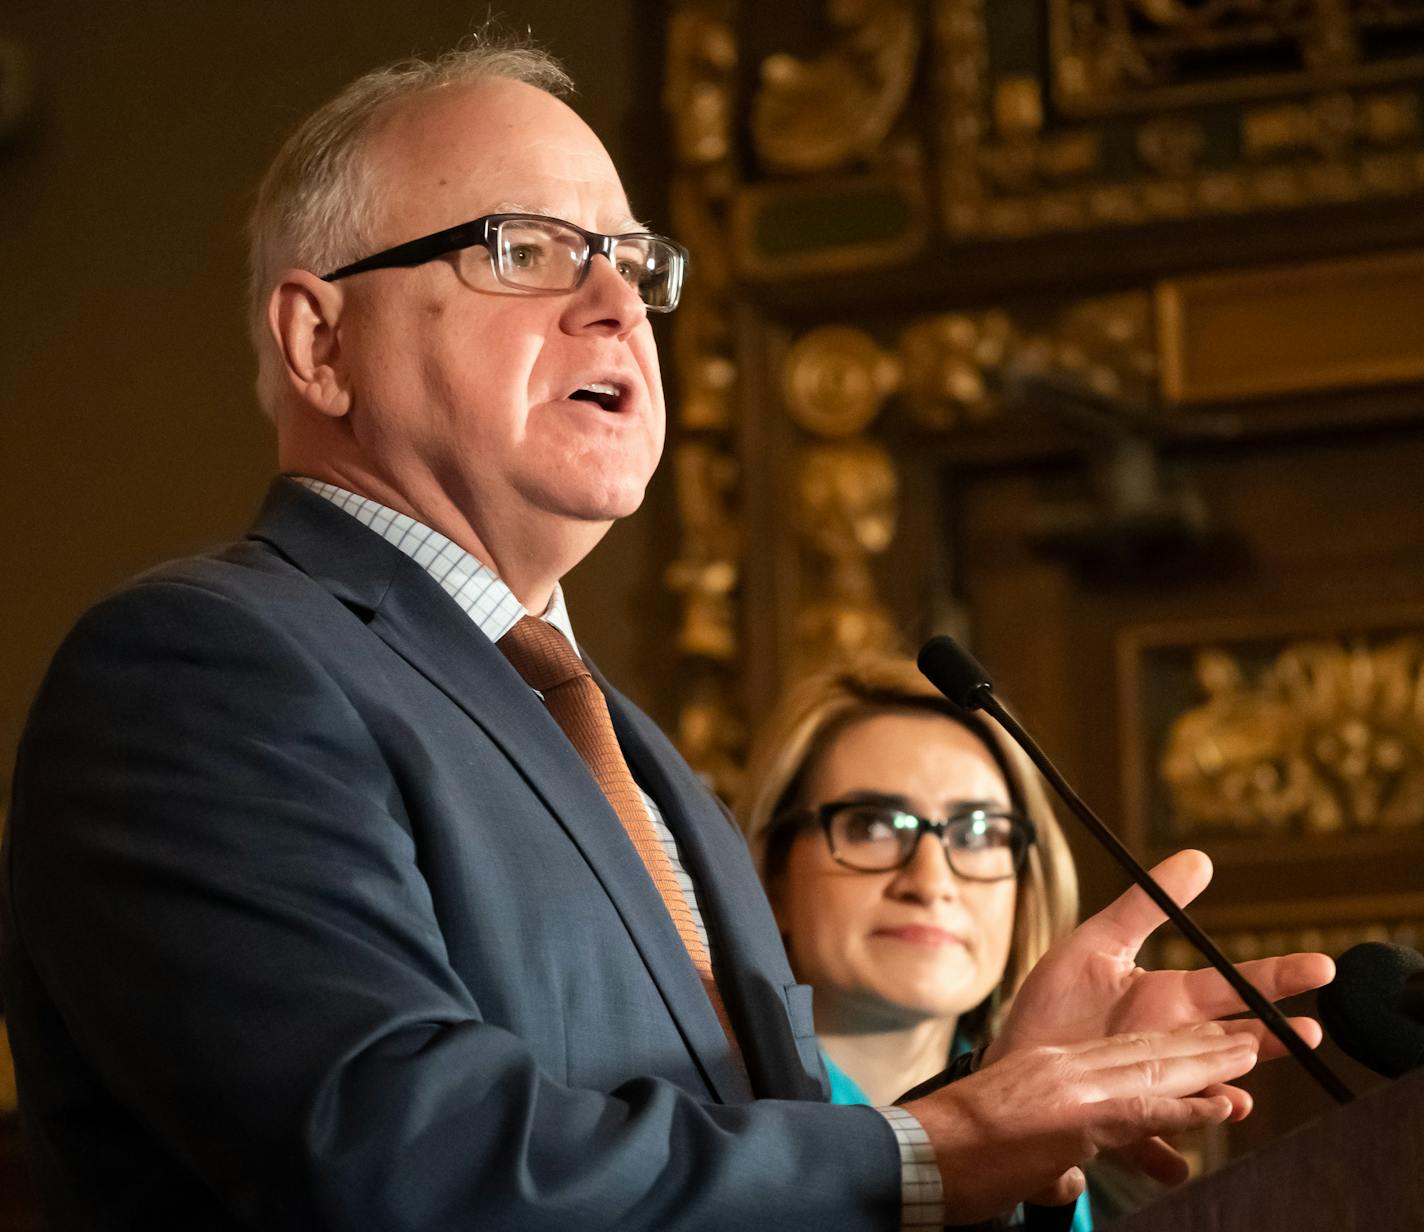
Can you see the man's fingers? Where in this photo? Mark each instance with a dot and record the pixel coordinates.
(1157, 1159)
(1271, 1048)
(1131, 918)
(1241, 1100)
(1274, 977)
(1128, 1120)
(1020, 1125)
(1063, 1190)
(1173, 1070)
(1191, 1040)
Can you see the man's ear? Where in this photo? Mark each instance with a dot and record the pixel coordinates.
(302, 314)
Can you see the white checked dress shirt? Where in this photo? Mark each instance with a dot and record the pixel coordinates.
(492, 606)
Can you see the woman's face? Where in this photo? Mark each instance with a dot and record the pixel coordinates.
(911, 944)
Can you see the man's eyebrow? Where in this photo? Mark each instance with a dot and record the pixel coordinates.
(624, 225)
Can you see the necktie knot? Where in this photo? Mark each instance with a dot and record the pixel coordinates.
(541, 654)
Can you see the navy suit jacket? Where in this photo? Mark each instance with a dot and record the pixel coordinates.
(312, 918)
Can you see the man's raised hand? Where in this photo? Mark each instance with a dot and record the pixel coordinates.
(1021, 1126)
(1089, 985)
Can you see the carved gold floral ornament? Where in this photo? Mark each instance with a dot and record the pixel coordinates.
(1328, 738)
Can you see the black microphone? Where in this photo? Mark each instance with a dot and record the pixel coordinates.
(955, 673)
(1374, 1009)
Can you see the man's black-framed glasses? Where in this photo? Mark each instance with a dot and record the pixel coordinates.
(536, 254)
(982, 842)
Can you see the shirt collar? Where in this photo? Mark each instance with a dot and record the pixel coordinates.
(476, 587)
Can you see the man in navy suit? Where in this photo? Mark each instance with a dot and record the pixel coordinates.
(315, 917)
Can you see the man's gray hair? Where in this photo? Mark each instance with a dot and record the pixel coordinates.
(317, 201)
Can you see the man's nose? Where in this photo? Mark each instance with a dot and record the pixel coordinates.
(605, 302)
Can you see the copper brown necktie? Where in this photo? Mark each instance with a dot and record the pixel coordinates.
(543, 656)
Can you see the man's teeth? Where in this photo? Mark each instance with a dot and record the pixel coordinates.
(600, 393)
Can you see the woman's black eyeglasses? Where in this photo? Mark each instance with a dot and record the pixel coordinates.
(981, 841)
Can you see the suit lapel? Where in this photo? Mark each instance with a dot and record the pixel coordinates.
(752, 972)
(409, 611)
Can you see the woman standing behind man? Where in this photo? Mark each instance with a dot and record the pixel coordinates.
(912, 947)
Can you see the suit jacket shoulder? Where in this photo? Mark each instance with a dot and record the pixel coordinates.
(310, 917)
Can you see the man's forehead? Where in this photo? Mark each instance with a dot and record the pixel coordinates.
(501, 147)
(615, 223)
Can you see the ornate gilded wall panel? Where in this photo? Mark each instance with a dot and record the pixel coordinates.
(835, 381)
(951, 370)
(781, 231)
(1293, 751)
(1328, 324)
(1028, 119)
(1101, 113)
(910, 131)
(702, 61)
(1113, 56)
(840, 179)
(1246, 738)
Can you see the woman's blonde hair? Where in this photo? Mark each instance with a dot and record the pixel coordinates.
(795, 737)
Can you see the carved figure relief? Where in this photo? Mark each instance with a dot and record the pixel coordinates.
(1329, 738)
(822, 114)
(846, 510)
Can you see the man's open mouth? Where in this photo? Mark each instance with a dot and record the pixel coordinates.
(606, 395)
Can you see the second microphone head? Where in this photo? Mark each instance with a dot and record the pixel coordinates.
(1372, 1009)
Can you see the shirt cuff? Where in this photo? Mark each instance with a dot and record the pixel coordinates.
(921, 1189)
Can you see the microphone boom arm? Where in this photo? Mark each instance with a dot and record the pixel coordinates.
(966, 685)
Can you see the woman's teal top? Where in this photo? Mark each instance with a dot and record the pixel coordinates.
(845, 1091)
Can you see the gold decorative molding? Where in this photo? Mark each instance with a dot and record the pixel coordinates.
(847, 185)
(947, 370)
(846, 509)
(825, 113)
(1327, 738)
(1114, 56)
(1296, 740)
(821, 165)
(1324, 936)
(710, 730)
(1155, 110)
(706, 574)
(835, 380)
(702, 56)
(1283, 329)
(1327, 125)
(790, 229)
(1231, 336)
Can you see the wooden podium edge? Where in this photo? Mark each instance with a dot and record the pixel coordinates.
(1358, 1168)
